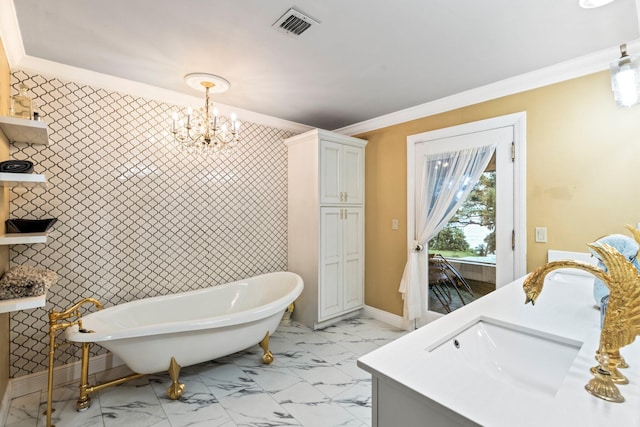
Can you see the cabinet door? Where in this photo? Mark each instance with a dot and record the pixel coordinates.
(331, 259)
(352, 177)
(353, 276)
(330, 167)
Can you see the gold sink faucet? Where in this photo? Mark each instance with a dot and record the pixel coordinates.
(621, 322)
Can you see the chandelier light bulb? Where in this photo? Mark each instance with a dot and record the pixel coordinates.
(205, 132)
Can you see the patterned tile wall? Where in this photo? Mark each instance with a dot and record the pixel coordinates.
(137, 216)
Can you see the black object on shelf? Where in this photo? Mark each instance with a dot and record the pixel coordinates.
(30, 225)
(16, 166)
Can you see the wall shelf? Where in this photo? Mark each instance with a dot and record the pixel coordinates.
(22, 180)
(23, 130)
(30, 132)
(16, 304)
(23, 238)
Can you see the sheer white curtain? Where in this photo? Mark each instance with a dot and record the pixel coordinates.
(447, 180)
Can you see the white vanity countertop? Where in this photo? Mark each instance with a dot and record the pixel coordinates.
(565, 309)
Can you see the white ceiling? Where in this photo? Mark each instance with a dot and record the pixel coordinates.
(365, 59)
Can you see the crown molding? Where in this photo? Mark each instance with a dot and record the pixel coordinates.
(130, 87)
(117, 84)
(588, 64)
(584, 65)
(18, 59)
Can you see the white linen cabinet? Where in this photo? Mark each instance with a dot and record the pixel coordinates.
(326, 225)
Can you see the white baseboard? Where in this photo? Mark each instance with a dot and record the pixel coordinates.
(65, 374)
(389, 318)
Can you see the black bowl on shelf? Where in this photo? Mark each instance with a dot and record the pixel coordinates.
(29, 225)
(16, 166)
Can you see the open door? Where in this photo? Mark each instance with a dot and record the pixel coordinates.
(509, 257)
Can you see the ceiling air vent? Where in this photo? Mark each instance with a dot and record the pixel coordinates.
(294, 23)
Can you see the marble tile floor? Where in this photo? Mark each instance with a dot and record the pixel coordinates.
(313, 381)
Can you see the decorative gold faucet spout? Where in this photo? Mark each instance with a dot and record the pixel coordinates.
(58, 320)
(621, 322)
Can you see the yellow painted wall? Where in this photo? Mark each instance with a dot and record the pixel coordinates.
(4, 214)
(583, 175)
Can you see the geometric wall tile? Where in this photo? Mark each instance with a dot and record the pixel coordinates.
(138, 216)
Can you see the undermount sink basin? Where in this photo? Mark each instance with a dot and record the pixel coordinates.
(497, 353)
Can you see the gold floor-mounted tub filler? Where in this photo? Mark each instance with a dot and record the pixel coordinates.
(60, 320)
(621, 322)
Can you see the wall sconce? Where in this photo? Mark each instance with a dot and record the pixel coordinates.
(625, 79)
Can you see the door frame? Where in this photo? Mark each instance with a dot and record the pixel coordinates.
(518, 121)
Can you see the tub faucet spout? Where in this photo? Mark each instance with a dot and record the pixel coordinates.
(59, 320)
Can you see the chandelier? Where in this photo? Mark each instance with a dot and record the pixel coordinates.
(204, 130)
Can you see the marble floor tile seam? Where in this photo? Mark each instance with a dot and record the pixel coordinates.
(325, 400)
(252, 387)
(344, 386)
(105, 413)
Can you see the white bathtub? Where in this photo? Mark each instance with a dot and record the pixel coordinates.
(194, 326)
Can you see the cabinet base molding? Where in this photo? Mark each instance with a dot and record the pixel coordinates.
(325, 323)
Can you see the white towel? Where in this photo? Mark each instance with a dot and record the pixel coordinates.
(26, 281)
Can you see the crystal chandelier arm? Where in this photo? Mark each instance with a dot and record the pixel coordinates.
(207, 125)
(204, 130)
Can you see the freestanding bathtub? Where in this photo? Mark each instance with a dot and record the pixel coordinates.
(192, 327)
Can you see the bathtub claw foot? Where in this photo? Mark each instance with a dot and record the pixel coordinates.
(176, 388)
(175, 391)
(267, 357)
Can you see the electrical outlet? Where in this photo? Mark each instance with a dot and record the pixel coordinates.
(394, 224)
(541, 234)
